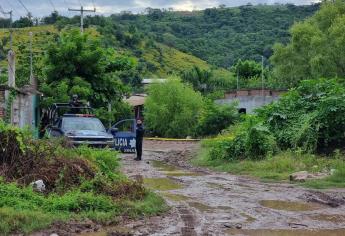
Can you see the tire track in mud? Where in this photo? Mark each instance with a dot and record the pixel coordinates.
(212, 203)
(189, 221)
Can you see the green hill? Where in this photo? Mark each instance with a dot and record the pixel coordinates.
(153, 59)
(221, 36)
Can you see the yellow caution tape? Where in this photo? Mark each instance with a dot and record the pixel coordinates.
(172, 139)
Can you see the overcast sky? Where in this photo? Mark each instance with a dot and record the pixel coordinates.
(40, 8)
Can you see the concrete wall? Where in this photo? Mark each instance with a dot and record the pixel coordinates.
(251, 99)
(23, 109)
(250, 103)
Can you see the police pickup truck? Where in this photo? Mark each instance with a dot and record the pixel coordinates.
(76, 122)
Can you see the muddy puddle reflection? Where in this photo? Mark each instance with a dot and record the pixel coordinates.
(289, 206)
(268, 232)
(329, 218)
(175, 197)
(161, 184)
(161, 166)
(171, 170)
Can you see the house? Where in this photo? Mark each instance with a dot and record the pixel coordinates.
(137, 101)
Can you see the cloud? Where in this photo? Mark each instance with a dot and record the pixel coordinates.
(41, 8)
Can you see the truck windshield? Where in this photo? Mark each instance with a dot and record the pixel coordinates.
(82, 123)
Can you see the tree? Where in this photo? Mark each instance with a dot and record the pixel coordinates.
(23, 22)
(52, 19)
(198, 78)
(172, 109)
(77, 64)
(208, 81)
(315, 49)
(247, 69)
(216, 117)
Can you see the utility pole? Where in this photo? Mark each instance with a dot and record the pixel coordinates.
(82, 10)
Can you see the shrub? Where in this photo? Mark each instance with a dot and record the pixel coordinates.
(172, 109)
(216, 117)
(250, 139)
(309, 117)
(80, 183)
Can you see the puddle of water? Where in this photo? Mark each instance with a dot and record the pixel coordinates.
(160, 165)
(176, 197)
(182, 173)
(330, 218)
(289, 206)
(171, 170)
(162, 184)
(215, 185)
(269, 232)
(201, 207)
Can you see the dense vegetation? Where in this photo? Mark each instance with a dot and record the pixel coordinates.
(287, 136)
(161, 43)
(80, 183)
(308, 121)
(77, 64)
(221, 36)
(174, 109)
(309, 118)
(315, 49)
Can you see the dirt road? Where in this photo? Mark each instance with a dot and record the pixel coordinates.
(209, 203)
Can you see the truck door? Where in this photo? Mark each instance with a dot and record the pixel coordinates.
(124, 135)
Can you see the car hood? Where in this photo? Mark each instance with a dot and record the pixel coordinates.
(88, 133)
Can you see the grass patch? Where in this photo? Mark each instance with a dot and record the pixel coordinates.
(280, 167)
(25, 221)
(337, 180)
(80, 183)
(23, 210)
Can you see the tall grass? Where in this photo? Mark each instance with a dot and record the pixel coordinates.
(280, 167)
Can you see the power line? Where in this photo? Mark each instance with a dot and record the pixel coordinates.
(51, 3)
(11, 6)
(21, 3)
(2, 11)
(10, 26)
(82, 10)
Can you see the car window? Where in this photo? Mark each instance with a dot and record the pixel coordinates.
(82, 123)
(125, 126)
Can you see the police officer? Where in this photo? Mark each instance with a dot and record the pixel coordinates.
(139, 139)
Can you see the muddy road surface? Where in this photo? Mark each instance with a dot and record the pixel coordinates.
(204, 202)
